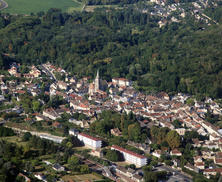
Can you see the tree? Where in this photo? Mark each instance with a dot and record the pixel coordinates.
(36, 105)
(176, 123)
(134, 132)
(173, 139)
(6, 132)
(150, 176)
(72, 161)
(26, 136)
(113, 155)
(84, 169)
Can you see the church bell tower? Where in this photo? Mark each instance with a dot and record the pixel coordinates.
(97, 81)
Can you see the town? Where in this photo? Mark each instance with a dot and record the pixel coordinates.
(50, 102)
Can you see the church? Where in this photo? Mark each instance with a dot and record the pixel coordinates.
(97, 85)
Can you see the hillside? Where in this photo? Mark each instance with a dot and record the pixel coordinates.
(179, 57)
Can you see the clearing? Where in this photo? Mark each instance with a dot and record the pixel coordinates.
(33, 6)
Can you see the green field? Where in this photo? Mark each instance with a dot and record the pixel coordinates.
(84, 177)
(34, 6)
(14, 139)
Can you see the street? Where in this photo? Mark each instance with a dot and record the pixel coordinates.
(178, 176)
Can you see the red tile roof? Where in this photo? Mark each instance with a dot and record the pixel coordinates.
(128, 152)
(88, 136)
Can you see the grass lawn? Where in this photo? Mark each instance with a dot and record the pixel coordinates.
(84, 177)
(122, 163)
(14, 139)
(91, 8)
(33, 6)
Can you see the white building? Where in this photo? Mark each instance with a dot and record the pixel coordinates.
(51, 113)
(55, 139)
(181, 131)
(131, 157)
(121, 82)
(13, 70)
(62, 85)
(74, 132)
(90, 141)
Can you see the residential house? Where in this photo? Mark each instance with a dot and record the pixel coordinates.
(58, 167)
(40, 117)
(175, 152)
(13, 70)
(200, 165)
(181, 131)
(41, 177)
(62, 85)
(212, 172)
(77, 122)
(51, 113)
(157, 153)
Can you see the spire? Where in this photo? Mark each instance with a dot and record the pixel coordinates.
(97, 81)
(97, 74)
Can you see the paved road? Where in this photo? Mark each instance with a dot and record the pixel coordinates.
(178, 175)
(48, 72)
(3, 4)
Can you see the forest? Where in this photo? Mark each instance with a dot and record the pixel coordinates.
(179, 57)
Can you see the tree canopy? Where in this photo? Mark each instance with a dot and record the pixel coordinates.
(179, 57)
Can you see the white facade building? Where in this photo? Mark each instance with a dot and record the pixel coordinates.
(131, 157)
(121, 82)
(90, 141)
(55, 139)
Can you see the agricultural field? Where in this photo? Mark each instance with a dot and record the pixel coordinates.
(91, 8)
(84, 177)
(32, 6)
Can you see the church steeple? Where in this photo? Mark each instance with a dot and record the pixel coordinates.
(97, 81)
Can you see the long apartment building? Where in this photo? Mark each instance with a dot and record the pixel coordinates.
(131, 157)
(90, 141)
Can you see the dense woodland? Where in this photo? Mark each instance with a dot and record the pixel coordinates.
(179, 57)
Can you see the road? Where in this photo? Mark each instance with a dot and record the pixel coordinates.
(3, 4)
(36, 133)
(209, 18)
(178, 176)
(49, 73)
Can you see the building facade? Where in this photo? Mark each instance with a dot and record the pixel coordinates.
(90, 141)
(131, 157)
